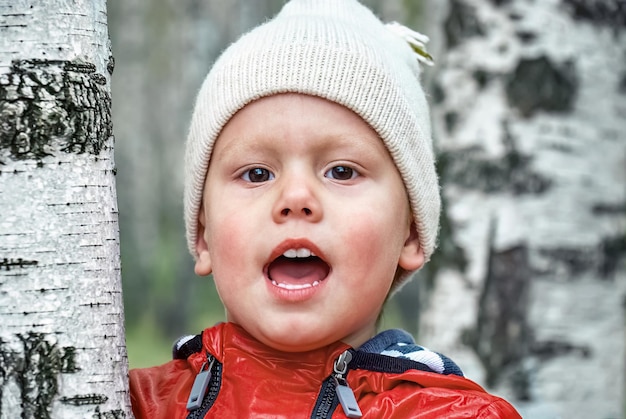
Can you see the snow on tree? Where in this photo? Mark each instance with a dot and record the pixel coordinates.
(530, 121)
(62, 347)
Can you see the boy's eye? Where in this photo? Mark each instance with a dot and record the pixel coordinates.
(258, 174)
(341, 173)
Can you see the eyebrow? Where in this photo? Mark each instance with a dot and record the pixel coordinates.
(260, 142)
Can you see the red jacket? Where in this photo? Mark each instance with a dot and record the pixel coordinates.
(249, 379)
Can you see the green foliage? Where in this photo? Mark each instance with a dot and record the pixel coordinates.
(146, 345)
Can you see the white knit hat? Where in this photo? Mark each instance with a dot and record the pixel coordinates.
(337, 50)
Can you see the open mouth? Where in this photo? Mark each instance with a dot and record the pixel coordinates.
(297, 269)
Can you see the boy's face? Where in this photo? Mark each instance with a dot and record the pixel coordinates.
(295, 175)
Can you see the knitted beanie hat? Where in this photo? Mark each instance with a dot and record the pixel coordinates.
(337, 50)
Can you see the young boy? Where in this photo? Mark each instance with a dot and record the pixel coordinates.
(310, 195)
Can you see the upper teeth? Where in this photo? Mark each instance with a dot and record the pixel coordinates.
(298, 253)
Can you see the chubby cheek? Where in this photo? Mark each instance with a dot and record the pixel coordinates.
(227, 251)
(373, 245)
(227, 244)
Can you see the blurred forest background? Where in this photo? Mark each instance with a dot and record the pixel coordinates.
(526, 291)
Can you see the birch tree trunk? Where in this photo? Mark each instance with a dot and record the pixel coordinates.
(530, 123)
(62, 350)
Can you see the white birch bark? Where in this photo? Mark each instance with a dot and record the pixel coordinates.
(530, 120)
(62, 347)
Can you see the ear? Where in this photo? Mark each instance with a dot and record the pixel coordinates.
(412, 255)
(203, 262)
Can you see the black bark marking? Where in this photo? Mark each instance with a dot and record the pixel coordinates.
(7, 361)
(526, 37)
(98, 304)
(68, 360)
(8, 264)
(482, 77)
(111, 65)
(610, 13)
(609, 209)
(111, 414)
(547, 349)
(451, 118)
(37, 375)
(538, 84)
(35, 370)
(85, 399)
(613, 252)
(602, 261)
(502, 334)
(462, 22)
(439, 94)
(570, 261)
(47, 107)
(622, 84)
(511, 173)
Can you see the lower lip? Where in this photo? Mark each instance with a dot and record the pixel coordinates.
(291, 295)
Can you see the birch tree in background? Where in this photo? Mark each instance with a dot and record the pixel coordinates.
(530, 121)
(62, 350)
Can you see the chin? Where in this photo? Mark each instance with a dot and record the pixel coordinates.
(300, 338)
(296, 346)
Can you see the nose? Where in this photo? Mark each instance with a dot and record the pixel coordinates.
(297, 199)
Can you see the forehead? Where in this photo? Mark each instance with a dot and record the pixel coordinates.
(303, 118)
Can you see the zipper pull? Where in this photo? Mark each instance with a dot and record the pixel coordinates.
(343, 390)
(200, 384)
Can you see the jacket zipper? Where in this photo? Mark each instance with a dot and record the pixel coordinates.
(326, 401)
(335, 388)
(205, 389)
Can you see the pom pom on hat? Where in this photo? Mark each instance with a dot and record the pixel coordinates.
(338, 50)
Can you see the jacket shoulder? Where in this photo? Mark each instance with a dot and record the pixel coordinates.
(452, 396)
(414, 391)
